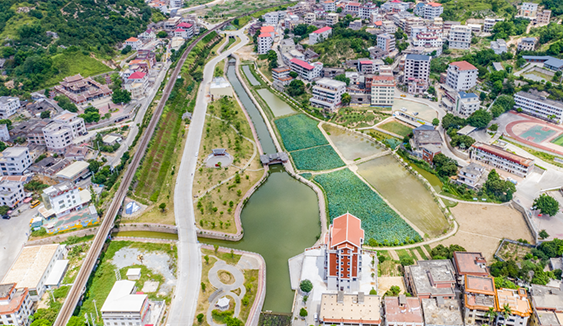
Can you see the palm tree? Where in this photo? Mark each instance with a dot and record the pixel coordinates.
(506, 311)
(491, 314)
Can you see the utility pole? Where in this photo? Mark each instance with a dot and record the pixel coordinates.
(86, 317)
(95, 307)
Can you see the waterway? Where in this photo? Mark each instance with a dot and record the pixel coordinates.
(277, 105)
(280, 219)
(250, 76)
(259, 124)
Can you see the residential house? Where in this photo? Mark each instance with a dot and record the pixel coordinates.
(320, 35)
(460, 37)
(64, 198)
(462, 75)
(11, 192)
(60, 132)
(442, 312)
(547, 305)
(386, 42)
(15, 160)
(327, 94)
(431, 279)
(527, 44)
(125, 306)
(470, 175)
(469, 263)
(332, 19)
(426, 142)
(134, 43)
(15, 305)
(350, 309)
(266, 39)
(306, 70)
(8, 106)
(514, 303)
(499, 46)
(466, 103)
(383, 91)
(329, 6)
(281, 76)
(479, 299)
(417, 72)
(402, 311)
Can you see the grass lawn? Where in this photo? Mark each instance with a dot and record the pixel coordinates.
(389, 267)
(404, 253)
(421, 253)
(203, 299)
(69, 64)
(264, 67)
(216, 209)
(558, 140)
(396, 128)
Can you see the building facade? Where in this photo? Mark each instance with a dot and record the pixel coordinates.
(60, 132)
(15, 305)
(11, 193)
(383, 91)
(527, 44)
(462, 76)
(320, 35)
(62, 198)
(460, 37)
(15, 160)
(466, 103)
(124, 306)
(327, 93)
(8, 106)
(501, 159)
(306, 70)
(386, 42)
(417, 71)
(538, 105)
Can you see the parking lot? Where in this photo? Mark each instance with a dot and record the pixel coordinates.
(13, 235)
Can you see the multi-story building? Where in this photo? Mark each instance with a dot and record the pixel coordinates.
(428, 40)
(367, 10)
(60, 132)
(8, 106)
(11, 192)
(490, 23)
(547, 305)
(352, 8)
(32, 268)
(137, 83)
(271, 18)
(320, 35)
(462, 75)
(479, 298)
(402, 311)
(431, 279)
(14, 160)
(528, 10)
(134, 43)
(327, 93)
(538, 105)
(395, 6)
(343, 262)
(265, 39)
(184, 30)
(386, 42)
(470, 175)
(383, 91)
(426, 142)
(501, 159)
(310, 18)
(125, 306)
(518, 304)
(466, 103)
(306, 70)
(329, 6)
(543, 17)
(332, 19)
(417, 71)
(63, 198)
(442, 312)
(499, 46)
(460, 37)
(527, 44)
(469, 263)
(350, 309)
(281, 76)
(432, 10)
(15, 305)
(4, 133)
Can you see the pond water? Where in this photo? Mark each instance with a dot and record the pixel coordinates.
(352, 145)
(405, 192)
(276, 104)
(155, 261)
(250, 76)
(280, 220)
(424, 111)
(259, 124)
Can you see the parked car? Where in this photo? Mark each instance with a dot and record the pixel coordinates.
(6, 217)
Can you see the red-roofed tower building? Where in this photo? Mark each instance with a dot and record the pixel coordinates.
(462, 76)
(343, 263)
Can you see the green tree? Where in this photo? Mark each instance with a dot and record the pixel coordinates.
(543, 234)
(346, 99)
(121, 96)
(303, 312)
(45, 114)
(126, 49)
(491, 313)
(162, 206)
(497, 188)
(200, 318)
(295, 88)
(91, 114)
(306, 286)
(407, 261)
(372, 291)
(546, 204)
(293, 74)
(445, 166)
(493, 127)
(161, 34)
(65, 103)
(435, 122)
(479, 119)
(4, 210)
(343, 78)
(41, 322)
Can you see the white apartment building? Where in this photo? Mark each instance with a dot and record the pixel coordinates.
(395, 6)
(134, 43)
(63, 198)
(528, 9)
(329, 6)
(460, 37)
(8, 106)
(383, 91)
(15, 305)
(499, 46)
(367, 10)
(32, 268)
(417, 71)
(320, 35)
(11, 193)
(428, 40)
(327, 93)
(60, 132)
(309, 18)
(4, 133)
(470, 175)
(388, 27)
(527, 44)
(466, 103)
(490, 23)
(462, 75)
(305, 70)
(123, 306)
(332, 19)
(501, 159)
(271, 19)
(432, 10)
(538, 105)
(265, 41)
(281, 76)
(352, 8)
(15, 160)
(386, 42)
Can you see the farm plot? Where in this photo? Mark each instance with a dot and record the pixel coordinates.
(317, 158)
(299, 132)
(347, 193)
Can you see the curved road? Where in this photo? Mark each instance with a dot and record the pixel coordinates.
(184, 303)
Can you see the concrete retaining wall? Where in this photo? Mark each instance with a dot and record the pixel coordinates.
(152, 227)
(528, 218)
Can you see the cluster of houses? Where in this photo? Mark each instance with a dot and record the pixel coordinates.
(450, 292)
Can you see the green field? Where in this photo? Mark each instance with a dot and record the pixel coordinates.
(558, 140)
(317, 158)
(69, 64)
(396, 128)
(299, 132)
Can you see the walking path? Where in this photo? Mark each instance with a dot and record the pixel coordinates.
(224, 289)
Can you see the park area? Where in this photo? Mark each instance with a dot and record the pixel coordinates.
(345, 192)
(406, 193)
(220, 188)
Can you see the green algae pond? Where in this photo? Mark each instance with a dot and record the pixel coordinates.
(351, 145)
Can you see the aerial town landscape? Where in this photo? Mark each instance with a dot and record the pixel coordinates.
(278, 162)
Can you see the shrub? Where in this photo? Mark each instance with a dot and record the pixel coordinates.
(306, 286)
(303, 312)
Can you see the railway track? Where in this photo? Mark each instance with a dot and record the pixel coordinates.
(79, 286)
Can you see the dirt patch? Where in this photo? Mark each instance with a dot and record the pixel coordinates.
(226, 277)
(385, 283)
(482, 227)
(513, 251)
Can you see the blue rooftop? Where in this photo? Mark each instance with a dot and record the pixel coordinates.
(418, 57)
(536, 57)
(463, 95)
(554, 62)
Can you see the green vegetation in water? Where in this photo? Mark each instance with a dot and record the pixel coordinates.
(317, 158)
(345, 192)
(299, 132)
(146, 234)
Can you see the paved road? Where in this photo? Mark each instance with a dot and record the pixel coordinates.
(13, 236)
(183, 306)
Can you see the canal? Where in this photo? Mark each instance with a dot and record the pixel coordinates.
(280, 219)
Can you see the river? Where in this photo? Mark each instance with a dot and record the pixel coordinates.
(280, 220)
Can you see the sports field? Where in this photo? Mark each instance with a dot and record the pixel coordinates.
(538, 133)
(558, 140)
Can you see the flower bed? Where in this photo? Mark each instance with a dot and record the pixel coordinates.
(299, 132)
(347, 193)
(317, 158)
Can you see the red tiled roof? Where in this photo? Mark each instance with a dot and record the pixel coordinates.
(302, 64)
(434, 4)
(346, 228)
(379, 78)
(366, 62)
(180, 30)
(378, 23)
(463, 65)
(354, 4)
(186, 25)
(495, 150)
(322, 30)
(267, 29)
(132, 39)
(265, 35)
(137, 75)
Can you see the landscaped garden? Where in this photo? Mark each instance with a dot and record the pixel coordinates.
(317, 158)
(347, 193)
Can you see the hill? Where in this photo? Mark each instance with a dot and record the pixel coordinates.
(36, 35)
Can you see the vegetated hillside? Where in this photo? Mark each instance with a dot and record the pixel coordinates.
(464, 9)
(83, 27)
